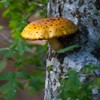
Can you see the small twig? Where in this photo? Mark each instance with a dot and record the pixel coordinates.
(40, 3)
(6, 38)
(25, 64)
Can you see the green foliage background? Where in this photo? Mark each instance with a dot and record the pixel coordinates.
(74, 89)
(18, 11)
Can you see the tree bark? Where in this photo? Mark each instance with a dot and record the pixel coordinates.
(85, 14)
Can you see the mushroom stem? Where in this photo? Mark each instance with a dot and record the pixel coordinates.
(55, 44)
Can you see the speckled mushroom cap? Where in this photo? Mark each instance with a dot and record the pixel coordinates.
(48, 28)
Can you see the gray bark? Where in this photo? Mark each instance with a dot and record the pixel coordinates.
(84, 13)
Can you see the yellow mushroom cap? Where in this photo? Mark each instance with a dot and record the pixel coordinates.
(48, 28)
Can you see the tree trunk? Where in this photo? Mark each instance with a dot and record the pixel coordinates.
(84, 13)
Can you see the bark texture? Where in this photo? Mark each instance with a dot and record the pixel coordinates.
(86, 14)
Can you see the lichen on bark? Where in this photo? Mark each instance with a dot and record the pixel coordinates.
(84, 13)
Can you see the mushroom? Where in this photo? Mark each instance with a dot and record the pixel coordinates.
(49, 29)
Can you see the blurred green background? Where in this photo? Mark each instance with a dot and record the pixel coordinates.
(22, 62)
